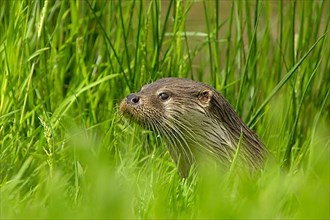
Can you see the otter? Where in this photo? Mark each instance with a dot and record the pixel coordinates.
(195, 120)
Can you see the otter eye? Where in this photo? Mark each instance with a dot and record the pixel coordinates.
(164, 96)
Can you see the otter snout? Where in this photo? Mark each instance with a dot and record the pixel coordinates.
(133, 99)
(128, 105)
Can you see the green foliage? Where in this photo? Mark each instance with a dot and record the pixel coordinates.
(65, 152)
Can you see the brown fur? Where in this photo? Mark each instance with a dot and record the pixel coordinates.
(195, 120)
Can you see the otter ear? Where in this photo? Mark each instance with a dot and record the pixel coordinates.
(204, 97)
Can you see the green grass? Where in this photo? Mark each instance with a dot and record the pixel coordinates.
(65, 152)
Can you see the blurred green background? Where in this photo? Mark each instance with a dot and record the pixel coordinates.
(65, 151)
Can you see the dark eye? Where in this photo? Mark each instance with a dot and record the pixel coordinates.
(164, 96)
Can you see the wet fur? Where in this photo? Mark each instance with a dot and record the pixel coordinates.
(195, 120)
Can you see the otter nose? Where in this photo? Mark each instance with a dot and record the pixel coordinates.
(133, 98)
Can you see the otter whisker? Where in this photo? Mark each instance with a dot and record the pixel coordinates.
(180, 139)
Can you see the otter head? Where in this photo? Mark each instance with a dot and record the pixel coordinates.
(193, 118)
(165, 100)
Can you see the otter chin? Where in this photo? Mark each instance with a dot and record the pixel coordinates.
(195, 120)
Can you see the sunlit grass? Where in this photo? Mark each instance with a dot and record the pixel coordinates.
(65, 152)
